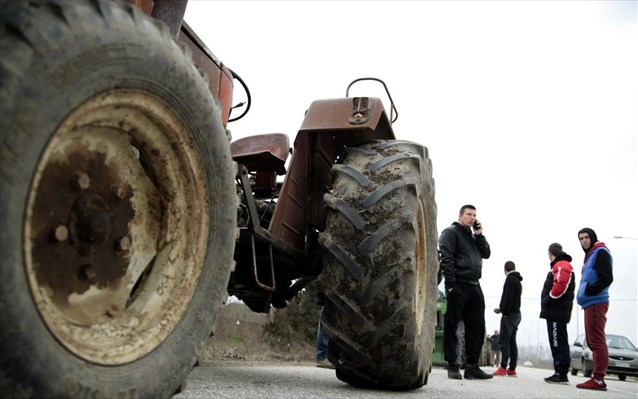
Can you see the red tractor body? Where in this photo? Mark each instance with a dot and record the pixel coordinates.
(128, 216)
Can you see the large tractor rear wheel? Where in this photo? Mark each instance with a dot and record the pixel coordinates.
(380, 266)
(118, 204)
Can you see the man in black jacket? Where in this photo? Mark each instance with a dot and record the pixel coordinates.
(462, 253)
(510, 310)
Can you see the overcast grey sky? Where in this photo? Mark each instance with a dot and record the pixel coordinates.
(528, 110)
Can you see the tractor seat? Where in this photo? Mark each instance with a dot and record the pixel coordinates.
(264, 152)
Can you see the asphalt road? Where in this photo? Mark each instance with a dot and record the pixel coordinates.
(223, 379)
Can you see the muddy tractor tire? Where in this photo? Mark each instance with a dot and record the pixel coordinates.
(380, 265)
(118, 203)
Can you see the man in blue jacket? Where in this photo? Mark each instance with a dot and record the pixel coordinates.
(462, 253)
(593, 297)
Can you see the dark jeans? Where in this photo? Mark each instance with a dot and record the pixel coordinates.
(322, 341)
(559, 344)
(465, 303)
(507, 340)
(460, 331)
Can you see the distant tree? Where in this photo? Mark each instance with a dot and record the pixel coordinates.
(296, 324)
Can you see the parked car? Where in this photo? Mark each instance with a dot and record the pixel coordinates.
(623, 357)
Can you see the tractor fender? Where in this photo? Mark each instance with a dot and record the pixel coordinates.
(328, 127)
(363, 117)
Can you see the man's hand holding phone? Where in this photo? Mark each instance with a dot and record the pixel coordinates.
(478, 228)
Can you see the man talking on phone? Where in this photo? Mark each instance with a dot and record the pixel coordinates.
(463, 247)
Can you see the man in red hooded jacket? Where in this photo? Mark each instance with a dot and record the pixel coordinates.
(557, 300)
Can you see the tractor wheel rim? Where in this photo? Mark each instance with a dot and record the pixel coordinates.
(116, 227)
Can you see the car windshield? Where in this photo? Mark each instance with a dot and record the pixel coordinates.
(618, 342)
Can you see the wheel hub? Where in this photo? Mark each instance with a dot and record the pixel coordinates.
(116, 227)
(93, 220)
(87, 225)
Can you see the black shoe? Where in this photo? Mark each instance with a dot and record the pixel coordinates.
(557, 379)
(453, 372)
(473, 372)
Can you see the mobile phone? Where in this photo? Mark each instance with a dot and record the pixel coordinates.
(477, 225)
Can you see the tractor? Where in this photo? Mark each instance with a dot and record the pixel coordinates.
(128, 214)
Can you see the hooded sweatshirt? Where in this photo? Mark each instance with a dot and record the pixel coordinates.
(512, 290)
(597, 273)
(557, 297)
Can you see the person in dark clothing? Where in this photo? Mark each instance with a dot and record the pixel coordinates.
(496, 348)
(593, 297)
(321, 341)
(462, 252)
(557, 299)
(510, 310)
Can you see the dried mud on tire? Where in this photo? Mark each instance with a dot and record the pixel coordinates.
(380, 266)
